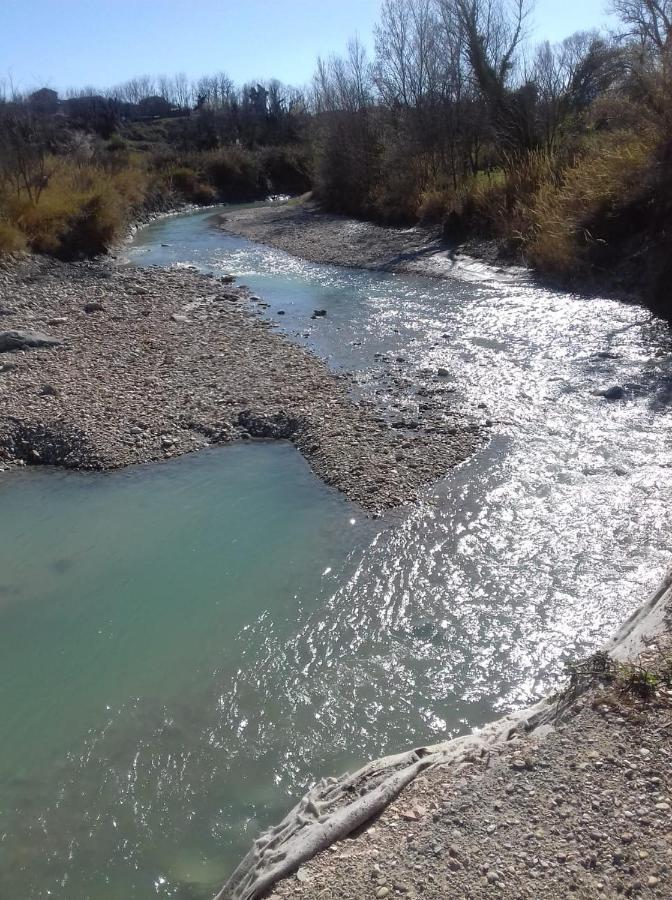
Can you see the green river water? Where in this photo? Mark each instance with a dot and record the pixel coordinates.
(185, 647)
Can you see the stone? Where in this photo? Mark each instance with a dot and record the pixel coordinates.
(23, 340)
(93, 307)
(319, 314)
(178, 317)
(616, 392)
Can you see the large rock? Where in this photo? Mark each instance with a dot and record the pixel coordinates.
(616, 392)
(23, 340)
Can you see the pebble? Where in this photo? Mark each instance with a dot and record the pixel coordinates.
(192, 384)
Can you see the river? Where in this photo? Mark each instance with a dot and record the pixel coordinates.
(185, 646)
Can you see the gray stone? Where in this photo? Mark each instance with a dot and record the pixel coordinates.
(616, 392)
(23, 340)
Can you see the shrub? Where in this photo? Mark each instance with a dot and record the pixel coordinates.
(434, 205)
(236, 174)
(574, 216)
(187, 183)
(287, 169)
(80, 212)
(12, 240)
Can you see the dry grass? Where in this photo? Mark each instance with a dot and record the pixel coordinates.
(12, 240)
(605, 177)
(79, 212)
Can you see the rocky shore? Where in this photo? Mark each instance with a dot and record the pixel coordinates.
(114, 366)
(571, 798)
(301, 228)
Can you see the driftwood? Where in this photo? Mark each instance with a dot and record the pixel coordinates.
(336, 807)
(333, 809)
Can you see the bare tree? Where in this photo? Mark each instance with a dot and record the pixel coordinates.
(648, 21)
(569, 76)
(494, 31)
(24, 151)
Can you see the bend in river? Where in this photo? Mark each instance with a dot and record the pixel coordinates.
(185, 646)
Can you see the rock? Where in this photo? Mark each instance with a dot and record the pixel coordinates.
(178, 317)
(319, 314)
(57, 320)
(278, 427)
(616, 392)
(48, 390)
(93, 307)
(227, 279)
(280, 312)
(7, 311)
(442, 373)
(382, 892)
(23, 340)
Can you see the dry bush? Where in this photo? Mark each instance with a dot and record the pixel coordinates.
(567, 216)
(434, 205)
(80, 212)
(12, 240)
(236, 173)
(189, 184)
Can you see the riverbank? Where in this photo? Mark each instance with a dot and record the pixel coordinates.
(143, 365)
(572, 797)
(301, 228)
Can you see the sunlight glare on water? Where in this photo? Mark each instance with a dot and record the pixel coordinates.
(256, 631)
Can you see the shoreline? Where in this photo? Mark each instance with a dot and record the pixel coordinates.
(148, 364)
(492, 795)
(302, 229)
(509, 798)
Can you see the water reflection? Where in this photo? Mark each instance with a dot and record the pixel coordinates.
(303, 654)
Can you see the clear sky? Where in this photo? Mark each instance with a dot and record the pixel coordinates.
(64, 43)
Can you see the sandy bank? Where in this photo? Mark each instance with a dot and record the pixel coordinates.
(151, 364)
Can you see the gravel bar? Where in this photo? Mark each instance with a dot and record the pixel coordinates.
(143, 365)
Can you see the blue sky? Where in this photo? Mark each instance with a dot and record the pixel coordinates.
(65, 43)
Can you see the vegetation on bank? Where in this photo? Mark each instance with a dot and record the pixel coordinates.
(74, 174)
(560, 152)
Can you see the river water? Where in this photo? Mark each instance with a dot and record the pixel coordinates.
(185, 646)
